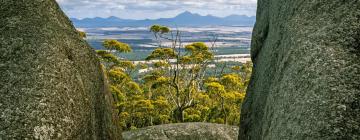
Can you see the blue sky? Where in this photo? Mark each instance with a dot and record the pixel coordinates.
(152, 9)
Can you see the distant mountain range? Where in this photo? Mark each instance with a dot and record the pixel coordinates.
(183, 19)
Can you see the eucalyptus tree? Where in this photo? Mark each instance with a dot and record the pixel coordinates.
(178, 73)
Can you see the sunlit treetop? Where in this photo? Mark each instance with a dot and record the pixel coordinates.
(119, 95)
(159, 29)
(232, 82)
(117, 46)
(153, 76)
(215, 88)
(161, 102)
(117, 76)
(161, 64)
(160, 81)
(126, 64)
(185, 60)
(238, 95)
(247, 67)
(211, 79)
(162, 53)
(134, 88)
(107, 56)
(144, 105)
(230, 79)
(236, 68)
(199, 52)
(196, 47)
(82, 34)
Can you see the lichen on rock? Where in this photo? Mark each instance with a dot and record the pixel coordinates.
(305, 83)
(51, 85)
(184, 131)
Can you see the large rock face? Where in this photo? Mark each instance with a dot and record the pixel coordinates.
(306, 82)
(51, 84)
(184, 131)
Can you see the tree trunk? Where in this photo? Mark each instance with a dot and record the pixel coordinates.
(178, 115)
(224, 111)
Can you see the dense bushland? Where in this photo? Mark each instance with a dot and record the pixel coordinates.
(178, 83)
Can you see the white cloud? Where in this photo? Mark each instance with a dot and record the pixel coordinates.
(140, 9)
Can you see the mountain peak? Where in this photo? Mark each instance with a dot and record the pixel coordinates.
(183, 19)
(187, 14)
(112, 17)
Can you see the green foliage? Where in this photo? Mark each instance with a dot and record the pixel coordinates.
(196, 47)
(232, 81)
(159, 29)
(161, 64)
(134, 88)
(215, 88)
(117, 46)
(126, 64)
(107, 56)
(162, 53)
(82, 34)
(117, 76)
(199, 53)
(117, 94)
(176, 87)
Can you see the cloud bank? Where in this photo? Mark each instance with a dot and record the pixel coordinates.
(151, 9)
